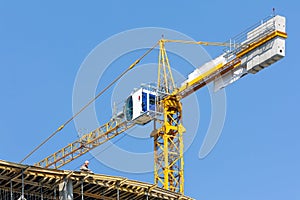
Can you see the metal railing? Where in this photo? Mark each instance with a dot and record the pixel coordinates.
(249, 36)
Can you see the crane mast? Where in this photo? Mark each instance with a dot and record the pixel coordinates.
(168, 139)
(248, 53)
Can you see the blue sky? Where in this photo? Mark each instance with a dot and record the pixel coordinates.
(43, 46)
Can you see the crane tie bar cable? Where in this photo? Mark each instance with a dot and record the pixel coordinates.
(89, 103)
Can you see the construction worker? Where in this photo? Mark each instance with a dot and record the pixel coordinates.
(85, 167)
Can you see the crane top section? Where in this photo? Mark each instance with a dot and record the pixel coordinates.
(247, 53)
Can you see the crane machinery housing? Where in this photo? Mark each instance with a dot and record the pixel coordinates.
(248, 53)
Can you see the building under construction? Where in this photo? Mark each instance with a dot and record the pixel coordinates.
(34, 183)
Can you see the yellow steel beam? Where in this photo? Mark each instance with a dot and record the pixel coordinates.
(165, 80)
(168, 148)
(223, 44)
(84, 144)
(168, 143)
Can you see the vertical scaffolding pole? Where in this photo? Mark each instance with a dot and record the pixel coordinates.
(11, 191)
(118, 193)
(82, 190)
(66, 190)
(22, 195)
(41, 192)
(147, 195)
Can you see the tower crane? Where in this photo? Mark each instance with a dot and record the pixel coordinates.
(247, 53)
